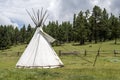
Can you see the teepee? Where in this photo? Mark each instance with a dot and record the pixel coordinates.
(39, 53)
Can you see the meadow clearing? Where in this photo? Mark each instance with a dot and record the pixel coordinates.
(76, 67)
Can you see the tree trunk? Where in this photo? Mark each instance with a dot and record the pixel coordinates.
(82, 42)
(115, 41)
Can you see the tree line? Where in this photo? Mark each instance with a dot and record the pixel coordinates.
(12, 36)
(97, 26)
(87, 27)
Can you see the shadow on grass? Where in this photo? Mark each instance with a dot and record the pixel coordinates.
(81, 77)
(114, 44)
(78, 44)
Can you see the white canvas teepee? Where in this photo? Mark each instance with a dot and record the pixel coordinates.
(39, 53)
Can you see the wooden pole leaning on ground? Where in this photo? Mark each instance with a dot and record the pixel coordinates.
(97, 55)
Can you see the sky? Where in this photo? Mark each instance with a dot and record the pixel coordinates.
(13, 12)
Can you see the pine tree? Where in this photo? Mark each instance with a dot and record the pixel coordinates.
(96, 20)
(4, 38)
(81, 28)
(23, 34)
(29, 33)
(17, 36)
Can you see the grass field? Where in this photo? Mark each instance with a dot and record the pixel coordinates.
(78, 67)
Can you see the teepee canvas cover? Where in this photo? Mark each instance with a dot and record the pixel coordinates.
(39, 53)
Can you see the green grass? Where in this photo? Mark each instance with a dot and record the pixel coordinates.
(78, 67)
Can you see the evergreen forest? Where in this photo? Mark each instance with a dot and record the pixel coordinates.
(90, 26)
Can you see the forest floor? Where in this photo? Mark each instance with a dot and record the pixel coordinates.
(76, 67)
